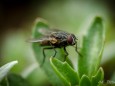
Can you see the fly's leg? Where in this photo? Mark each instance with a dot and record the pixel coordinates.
(53, 49)
(65, 53)
(54, 52)
(77, 51)
(44, 56)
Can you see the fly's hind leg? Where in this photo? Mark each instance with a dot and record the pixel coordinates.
(44, 56)
(54, 52)
(53, 49)
(65, 53)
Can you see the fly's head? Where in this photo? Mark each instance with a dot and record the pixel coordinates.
(71, 39)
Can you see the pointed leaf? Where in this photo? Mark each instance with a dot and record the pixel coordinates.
(65, 72)
(85, 81)
(6, 68)
(98, 77)
(92, 48)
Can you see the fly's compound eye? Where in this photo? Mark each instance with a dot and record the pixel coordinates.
(71, 39)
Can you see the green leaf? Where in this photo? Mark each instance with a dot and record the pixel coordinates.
(14, 80)
(85, 81)
(98, 77)
(33, 79)
(6, 68)
(92, 48)
(53, 78)
(65, 72)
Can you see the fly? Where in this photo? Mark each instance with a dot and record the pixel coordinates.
(54, 38)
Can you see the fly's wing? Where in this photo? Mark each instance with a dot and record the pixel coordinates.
(48, 32)
(34, 40)
(39, 40)
(51, 35)
(59, 35)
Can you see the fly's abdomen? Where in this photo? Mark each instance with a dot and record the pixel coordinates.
(45, 43)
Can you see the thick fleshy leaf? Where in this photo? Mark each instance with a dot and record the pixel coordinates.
(14, 80)
(85, 81)
(65, 72)
(38, 51)
(6, 68)
(92, 48)
(39, 24)
(98, 77)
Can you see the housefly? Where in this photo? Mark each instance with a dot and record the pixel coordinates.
(54, 38)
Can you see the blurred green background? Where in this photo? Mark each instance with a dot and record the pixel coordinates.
(17, 18)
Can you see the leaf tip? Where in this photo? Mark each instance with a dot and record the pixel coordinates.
(98, 19)
(40, 20)
(85, 81)
(15, 62)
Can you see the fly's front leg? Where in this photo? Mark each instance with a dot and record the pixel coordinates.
(65, 53)
(77, 51)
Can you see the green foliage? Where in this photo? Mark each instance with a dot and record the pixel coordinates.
(85, 81)
(99, 76)
(14, 80)
(62, 73)
(93, 43)
(65, 72)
